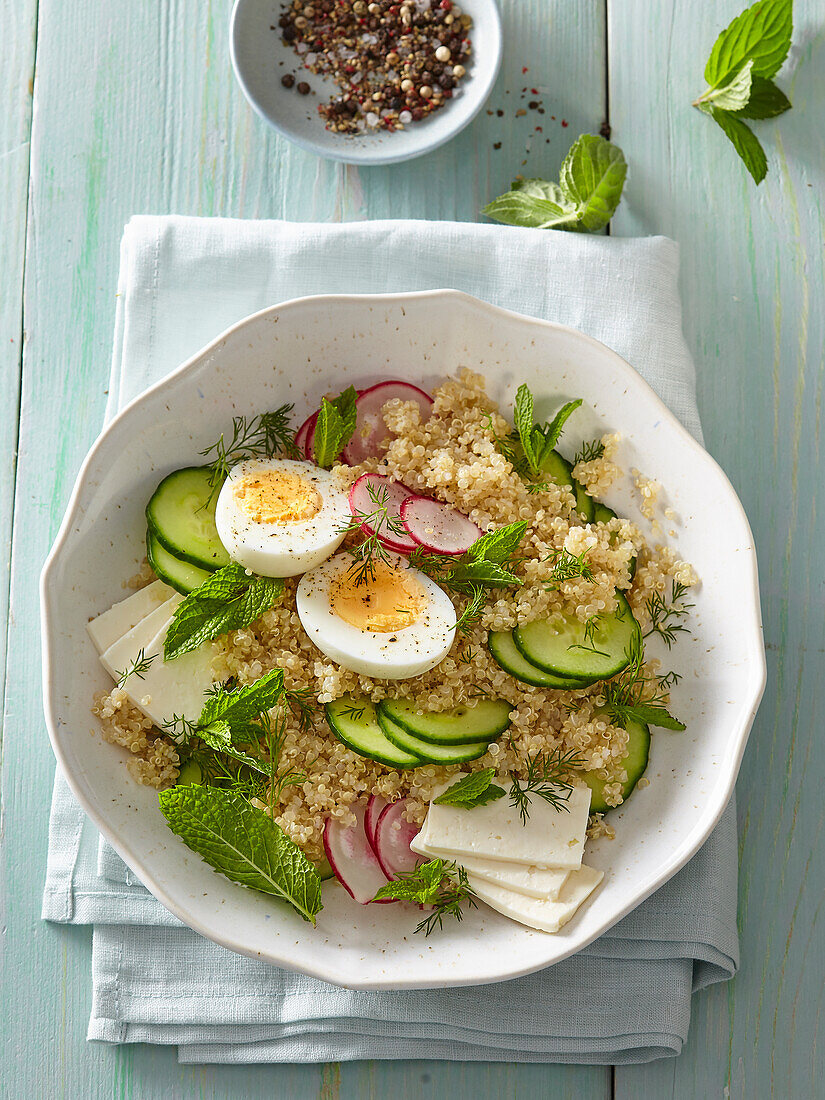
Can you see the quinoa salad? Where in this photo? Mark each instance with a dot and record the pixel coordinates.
(401, 647)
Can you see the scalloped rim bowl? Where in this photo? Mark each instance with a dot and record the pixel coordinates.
(295, 352)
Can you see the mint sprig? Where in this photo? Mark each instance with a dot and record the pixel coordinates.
(743, 61)
(228, 600)
(243, 843)
(334, 426)
(476, 789)
(537, 440)
(584, 200)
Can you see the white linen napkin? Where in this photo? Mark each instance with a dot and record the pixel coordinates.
(626, 998)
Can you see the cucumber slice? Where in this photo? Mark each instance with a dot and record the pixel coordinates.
(558, 469)
(635, 764)
(472, 722)
(181, 575)
(353, 721)
(503, 650)
(181, 516)
(432, 754)
(190, 772)
(324, 869)
(564, 650)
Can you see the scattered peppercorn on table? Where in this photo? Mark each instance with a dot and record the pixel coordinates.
(136, 110)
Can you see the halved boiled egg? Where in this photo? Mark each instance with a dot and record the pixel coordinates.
(280, 517)
(390, 623)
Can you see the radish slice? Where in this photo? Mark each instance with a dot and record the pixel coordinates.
(393, 837)
(305, 435)
(351, 857)
(363, 497)
(371, 431)
(375, 806)
(437, 526)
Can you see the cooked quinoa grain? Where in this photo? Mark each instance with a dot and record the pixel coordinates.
(452, 457)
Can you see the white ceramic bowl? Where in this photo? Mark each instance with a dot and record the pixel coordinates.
(257, 51)
(296, 352)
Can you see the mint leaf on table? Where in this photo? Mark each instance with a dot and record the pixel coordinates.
(243, 843)
(584, 200)
(476, 789)
(334, 427)
(743, 61)
(228, 600)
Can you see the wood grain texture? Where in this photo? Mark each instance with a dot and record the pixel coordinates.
(752, 281)
(18, 21)
(136, 111)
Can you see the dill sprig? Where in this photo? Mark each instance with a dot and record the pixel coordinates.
(259, 436)
(665, 614)
(438, 883)
(376, 523)
(634, 695)
(548, 778)
(139, 667)
(567, 567)
(303, 704)
(589, 452)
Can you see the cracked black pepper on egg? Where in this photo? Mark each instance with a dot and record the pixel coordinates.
(394, 63)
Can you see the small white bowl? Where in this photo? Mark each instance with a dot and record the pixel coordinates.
(257, 51)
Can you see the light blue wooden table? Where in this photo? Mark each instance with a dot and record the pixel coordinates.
(112, 109)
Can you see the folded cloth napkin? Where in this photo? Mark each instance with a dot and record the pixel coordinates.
(626, 998)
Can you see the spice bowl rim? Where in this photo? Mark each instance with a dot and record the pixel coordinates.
(310, 134)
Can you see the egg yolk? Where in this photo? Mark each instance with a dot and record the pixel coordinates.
(389, 600)
(277, 496)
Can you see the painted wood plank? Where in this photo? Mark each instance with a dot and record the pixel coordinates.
(16, 77)
(137, 111)
(752, 278)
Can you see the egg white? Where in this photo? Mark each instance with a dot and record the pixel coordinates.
(291, 547)
(384, 656)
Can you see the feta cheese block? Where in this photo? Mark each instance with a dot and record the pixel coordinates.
(551, 838)
(535, 882)
(119, 656)
(166, 688)
(170, 688)
(123, 616)
(540, 913)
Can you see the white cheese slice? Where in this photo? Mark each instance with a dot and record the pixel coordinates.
(123, 616)
(546, 916)
(119, 656)
(170, 688)
(551, 838)
(535, 882)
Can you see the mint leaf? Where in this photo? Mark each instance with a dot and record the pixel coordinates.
(592, 177)
(590, 188)
(552, 433)
(246, 703)
(497, 546)
(761, 34)
(653, 714)
(243, 843)
(732, 96)
(218, 736)
(334, 427)
(228, 600)
(745, 142)
(766, 100)
(476, 789)
(523, 419)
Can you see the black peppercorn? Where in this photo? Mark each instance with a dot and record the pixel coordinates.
(303, 88)
(287, 80)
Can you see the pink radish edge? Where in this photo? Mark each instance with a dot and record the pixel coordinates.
(361, 503)
(438, 527)
(351, 857)
(304, 437)
(392, 841)
(375, 806)
(370, 430)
